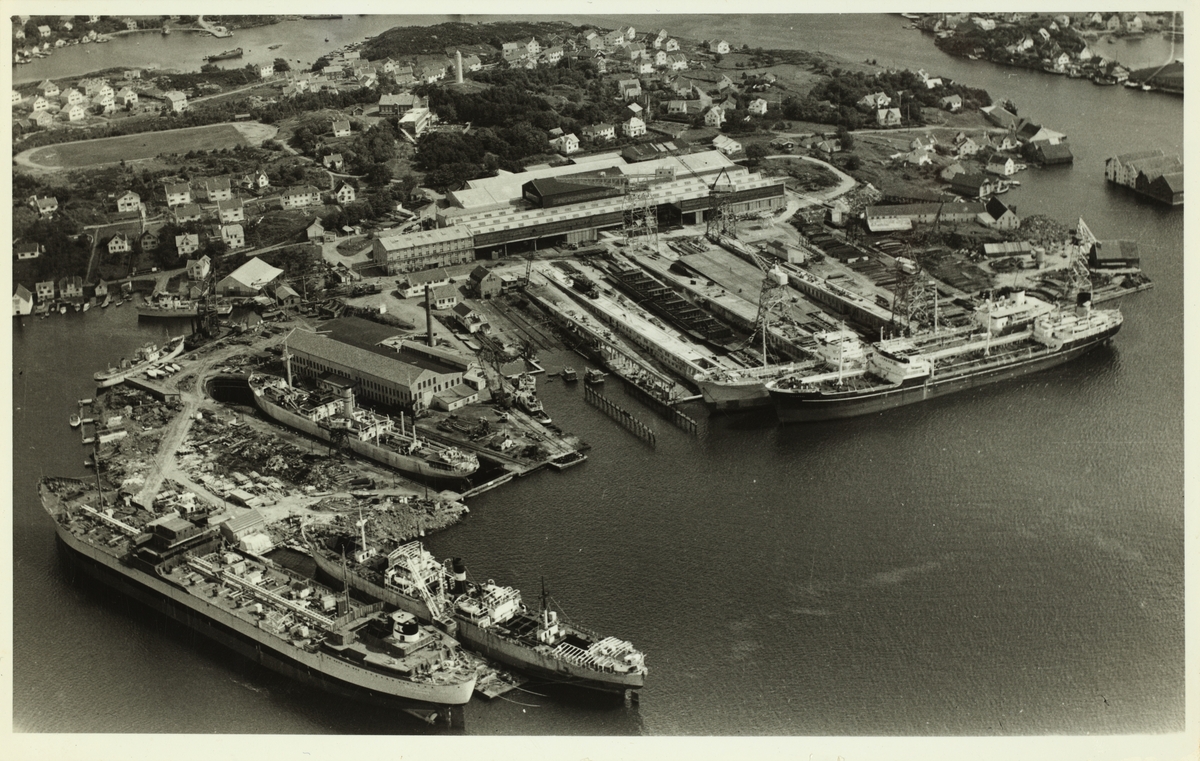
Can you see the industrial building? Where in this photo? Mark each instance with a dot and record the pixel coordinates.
(382, 367)
(440, 247)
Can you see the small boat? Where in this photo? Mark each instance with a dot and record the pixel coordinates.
(106, 302)
(78, 306)
(1147, 87)
(275, 46)
(119, 302)
(75, 421)
(85, 402)
(87, 305)
(62, 309)
(569, 375)
(593, 376)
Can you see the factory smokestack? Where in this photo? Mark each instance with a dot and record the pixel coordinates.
(458, 66)
(429, 314)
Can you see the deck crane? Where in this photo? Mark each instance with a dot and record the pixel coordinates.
(640, 227)
(1080, 276)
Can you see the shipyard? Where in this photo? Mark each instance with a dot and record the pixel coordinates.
(396, 304)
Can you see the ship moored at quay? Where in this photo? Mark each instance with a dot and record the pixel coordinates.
(278, 619)
(487, 618)
(1010, 338)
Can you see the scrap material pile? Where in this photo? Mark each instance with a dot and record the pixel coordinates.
(393, 522)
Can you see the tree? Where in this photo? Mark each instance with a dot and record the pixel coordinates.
(282, 65)
(379, 174)
(846, 138)
(757, 151)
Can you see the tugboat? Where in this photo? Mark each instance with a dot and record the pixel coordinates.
(594, 377)
(569, 375)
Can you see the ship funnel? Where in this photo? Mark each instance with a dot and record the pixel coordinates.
(1083, 298)
(348, 403)
(460, 576)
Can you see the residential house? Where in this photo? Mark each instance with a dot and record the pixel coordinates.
(30, 250)
(16, 97)
(729, 104)
(551, 55)
(176, 101)
(600, 131)
(951, 170)
(43, 119)
(104, 104)
(1010, 142)
(714, 116)
(49, 89)
(234, 236)
(45, 290)
(344, 193)
(966, 147)
(471, 63)
(720, 47)
(45, 206)
(430, 73)
(933, 82)
(726, 145)
(129, 201)
(197, 269)
(660, 39)
(1061, 62)
(44, 31)
(628, 32)
(594, 41)
(130, 24)
(256, 181)
(643, 66)
(127, 97)
(470, 320)
(132, 74)
(188, 212)
(918, 157)
(300, 197)
(1045, 35)
(40, 104)
(677, 61)
(217, 189)
(758, 107)
(70, 287)
(315, 231)
(888, 117)
(22, 301)
(101, 289)
(614, 38)
(231, 210)
(661, 57)
(265, 70)
(999, 215)
(119, 244)
(565, 144)
(633, 127)
(629, 88)
(952, 103)
(671, 45)
(149, 241)
(875, 101)
(485, 282)
(286, 296)
(333, 161)
(444, 296)
(178, 193)
(341, 128)
(1001, 165)
(72, 97)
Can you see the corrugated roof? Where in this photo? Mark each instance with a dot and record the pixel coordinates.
(255, 273)
(362, 360)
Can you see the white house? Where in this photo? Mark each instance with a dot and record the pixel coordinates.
(714, 116)
(600, 131)
(119, 244)
(176, 101)
(178, 193)
(189, 244)
(888, 117)
(299, 197)
(726, 145)
(633, 127)
(128, 97)
(22, 301)
(129, 201)
(234, 236)
(217, 188)
(231, 210)
(265, 70)
(566, 144)
(720, 47)
(344, 193)
(49, 89)
(758, 107)
(341, 128)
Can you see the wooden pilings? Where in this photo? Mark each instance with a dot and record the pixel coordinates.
(626, 420)
(666, 410)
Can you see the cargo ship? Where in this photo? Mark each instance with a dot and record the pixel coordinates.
(1000, 343)
(257, 608)
(235, 53)
(331, 415)
(146, 358)
(487, 618)
(169, 306)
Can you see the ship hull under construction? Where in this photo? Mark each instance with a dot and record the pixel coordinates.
(418, 467)
(797, 406)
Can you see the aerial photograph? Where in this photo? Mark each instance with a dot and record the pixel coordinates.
(610, 386)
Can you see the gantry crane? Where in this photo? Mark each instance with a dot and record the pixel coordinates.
(640, 223)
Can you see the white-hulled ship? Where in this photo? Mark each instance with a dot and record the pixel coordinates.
(1008, 338)
(146, 358)
(173, 306)
(488, 618)
(333, 416)
(283, 621)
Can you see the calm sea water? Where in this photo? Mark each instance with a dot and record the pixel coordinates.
(1006, 561)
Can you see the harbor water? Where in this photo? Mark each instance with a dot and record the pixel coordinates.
(1005, 561)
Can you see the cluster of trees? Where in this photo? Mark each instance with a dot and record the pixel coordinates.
(81, 25)
(66, 252)
(405, 41)
(969, 38)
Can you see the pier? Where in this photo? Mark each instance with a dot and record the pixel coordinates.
(622, 416)
(668, 411)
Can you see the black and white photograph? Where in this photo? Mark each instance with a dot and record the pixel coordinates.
(606, 382)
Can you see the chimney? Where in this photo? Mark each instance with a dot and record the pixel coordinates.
(429, 313)
(458, 66)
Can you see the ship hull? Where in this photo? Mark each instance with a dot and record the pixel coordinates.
(413, 466)
(729, 397)
(488, 643)
(154, 312)
(805, 407)
(316, 669)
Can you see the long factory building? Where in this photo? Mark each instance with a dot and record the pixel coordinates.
(543, 206)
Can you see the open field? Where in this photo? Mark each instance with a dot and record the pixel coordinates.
(146, 145)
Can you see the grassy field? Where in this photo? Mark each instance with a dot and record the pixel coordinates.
(110, 150)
